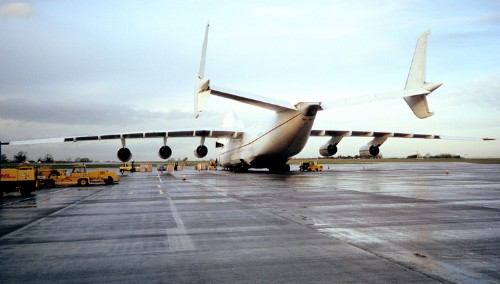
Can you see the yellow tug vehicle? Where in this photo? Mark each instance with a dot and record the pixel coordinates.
(80, 176)
(311, 166)
(127, 167)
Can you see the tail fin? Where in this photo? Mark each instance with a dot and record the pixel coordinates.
(416, 76)
(416, 79)
(201, 92)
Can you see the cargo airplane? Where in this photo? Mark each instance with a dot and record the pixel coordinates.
(272, 143)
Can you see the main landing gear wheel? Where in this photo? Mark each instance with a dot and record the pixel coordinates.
(50, 183)
(109, 181)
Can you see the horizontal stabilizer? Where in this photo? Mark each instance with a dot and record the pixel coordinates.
(252, 99)
(204, 90)
(372, 98)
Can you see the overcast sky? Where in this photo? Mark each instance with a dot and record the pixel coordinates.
(96, 67)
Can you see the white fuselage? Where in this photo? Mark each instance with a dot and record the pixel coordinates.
(270, 145)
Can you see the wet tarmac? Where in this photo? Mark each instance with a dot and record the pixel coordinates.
(371, 223)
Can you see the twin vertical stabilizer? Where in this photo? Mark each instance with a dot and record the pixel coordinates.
(416, 88)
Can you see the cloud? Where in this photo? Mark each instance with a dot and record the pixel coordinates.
(15, 9)
(493, 18)
(487, 18)
(84, 113)
(481, 92)
(485, 92)
(277, 11)
(76, 70)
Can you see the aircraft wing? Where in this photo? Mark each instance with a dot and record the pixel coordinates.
(372, 148)
(346, 133)
(204, 132)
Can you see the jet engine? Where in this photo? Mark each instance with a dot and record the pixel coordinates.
(165, 152)
(201, 151)
(124, 154)
(369, 150)
(328, 149)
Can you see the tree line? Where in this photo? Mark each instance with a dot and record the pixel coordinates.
(22, 157)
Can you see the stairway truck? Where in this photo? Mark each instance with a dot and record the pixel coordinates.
(23, 180)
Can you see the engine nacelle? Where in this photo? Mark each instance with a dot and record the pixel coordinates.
(124, 154)
(165, 152)
(201, 151)
(369, 151)
(327, 150)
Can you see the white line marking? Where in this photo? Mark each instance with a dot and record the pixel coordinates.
(178, 239)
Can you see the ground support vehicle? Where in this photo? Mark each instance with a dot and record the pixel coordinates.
(80, 176)
(212, 166)
(45, 171)
(23, 179)
(127, 167)
(311, 166)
